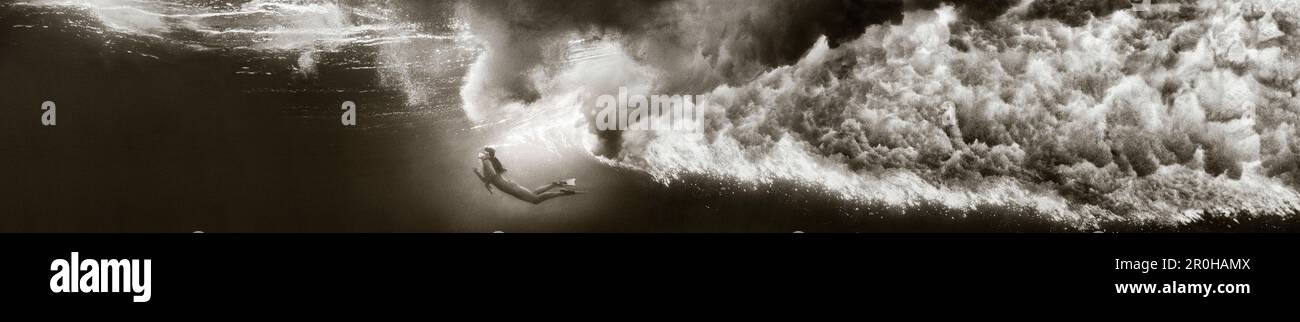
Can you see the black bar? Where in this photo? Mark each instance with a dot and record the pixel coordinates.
(200, 270)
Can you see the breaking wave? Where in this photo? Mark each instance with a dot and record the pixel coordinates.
(1095, 113)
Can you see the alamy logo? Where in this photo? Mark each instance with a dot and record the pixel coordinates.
(650, 113)
(101, 276)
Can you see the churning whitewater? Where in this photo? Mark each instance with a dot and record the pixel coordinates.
(1084, 111)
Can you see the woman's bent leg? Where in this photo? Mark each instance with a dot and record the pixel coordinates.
(548, 196)
(543, 189)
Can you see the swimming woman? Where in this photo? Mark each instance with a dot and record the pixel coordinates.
(493, 176)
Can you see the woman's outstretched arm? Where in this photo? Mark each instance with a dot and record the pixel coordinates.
(489, 171)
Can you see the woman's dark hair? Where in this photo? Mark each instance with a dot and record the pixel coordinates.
(492, 156)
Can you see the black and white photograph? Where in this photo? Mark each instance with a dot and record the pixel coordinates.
(650, 116)
(1060, 117)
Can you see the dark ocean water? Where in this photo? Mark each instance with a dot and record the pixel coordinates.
(177, 131)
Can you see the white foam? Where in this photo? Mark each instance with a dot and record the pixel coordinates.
(892, 109)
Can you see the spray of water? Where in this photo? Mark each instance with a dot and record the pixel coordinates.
(1086, 115)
